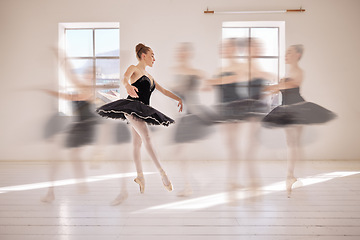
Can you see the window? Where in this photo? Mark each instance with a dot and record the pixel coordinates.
(272, 37)
(92, 49)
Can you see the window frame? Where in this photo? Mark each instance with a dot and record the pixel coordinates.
(264, 24)
(63, 27)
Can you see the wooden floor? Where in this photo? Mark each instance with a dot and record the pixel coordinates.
(324, 206)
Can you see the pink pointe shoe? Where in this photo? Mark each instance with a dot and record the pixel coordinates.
(289, 183)
(166, 181)
(119, 199)
(141, 181)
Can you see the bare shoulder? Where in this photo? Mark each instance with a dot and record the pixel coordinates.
(130, 70)
(131, 67)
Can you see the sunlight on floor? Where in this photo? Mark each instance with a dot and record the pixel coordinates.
(223, 198)
(195, 203)
(64, 182)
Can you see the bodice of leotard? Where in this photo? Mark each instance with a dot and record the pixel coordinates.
(227, 92)
(145, 88)
(291, 96)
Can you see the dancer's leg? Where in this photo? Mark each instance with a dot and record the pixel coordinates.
(123, 195)
(54, 167)
(231, 141)
(185, 170)
(293, 137)
(252, 145)
(137, 142)
(141, 128)
(78, 167)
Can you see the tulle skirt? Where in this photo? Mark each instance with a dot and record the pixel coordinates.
(119, 108)
(302, 113)
(242, 110)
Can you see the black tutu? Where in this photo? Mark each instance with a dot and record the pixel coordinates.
(192, 127)
(81, 133)
(119, 108)
(83, 130)
(241, 110)
(56, 124)
(240, 101)
(137, 107)
(296, 111)
(298, 114)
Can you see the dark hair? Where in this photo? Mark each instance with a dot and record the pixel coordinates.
(140, 49)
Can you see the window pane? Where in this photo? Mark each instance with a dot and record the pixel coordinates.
(268, 65)
(79, 42)
(107, 71)
(240, 34)
(107, 42)
(82, 69)
(268, 37)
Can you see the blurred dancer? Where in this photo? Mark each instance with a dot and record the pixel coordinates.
(136, 110)
(240, 92)
(115, 133)
(82, 130)
(194, 124)
(294, 112)
(118, 135)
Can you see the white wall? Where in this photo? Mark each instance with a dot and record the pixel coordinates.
(328, 29)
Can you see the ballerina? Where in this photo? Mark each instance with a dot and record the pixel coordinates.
(195, 123)
(136, 110)
(82, 130)
(294, 112)
(239, 102)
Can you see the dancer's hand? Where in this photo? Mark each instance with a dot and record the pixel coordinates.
(180, 104)
(132, 91)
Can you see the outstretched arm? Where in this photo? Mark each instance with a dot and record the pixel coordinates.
(222, 80)
(285, 83)
(238, 74)
(66, 96)
(170, 95)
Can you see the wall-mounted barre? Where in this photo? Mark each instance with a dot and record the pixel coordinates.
(249, 12)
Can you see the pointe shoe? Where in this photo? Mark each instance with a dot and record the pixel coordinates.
(186, 192)
(50, 197)
(141, 181)
(166, 181)
(289, 182)
(119, 199)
